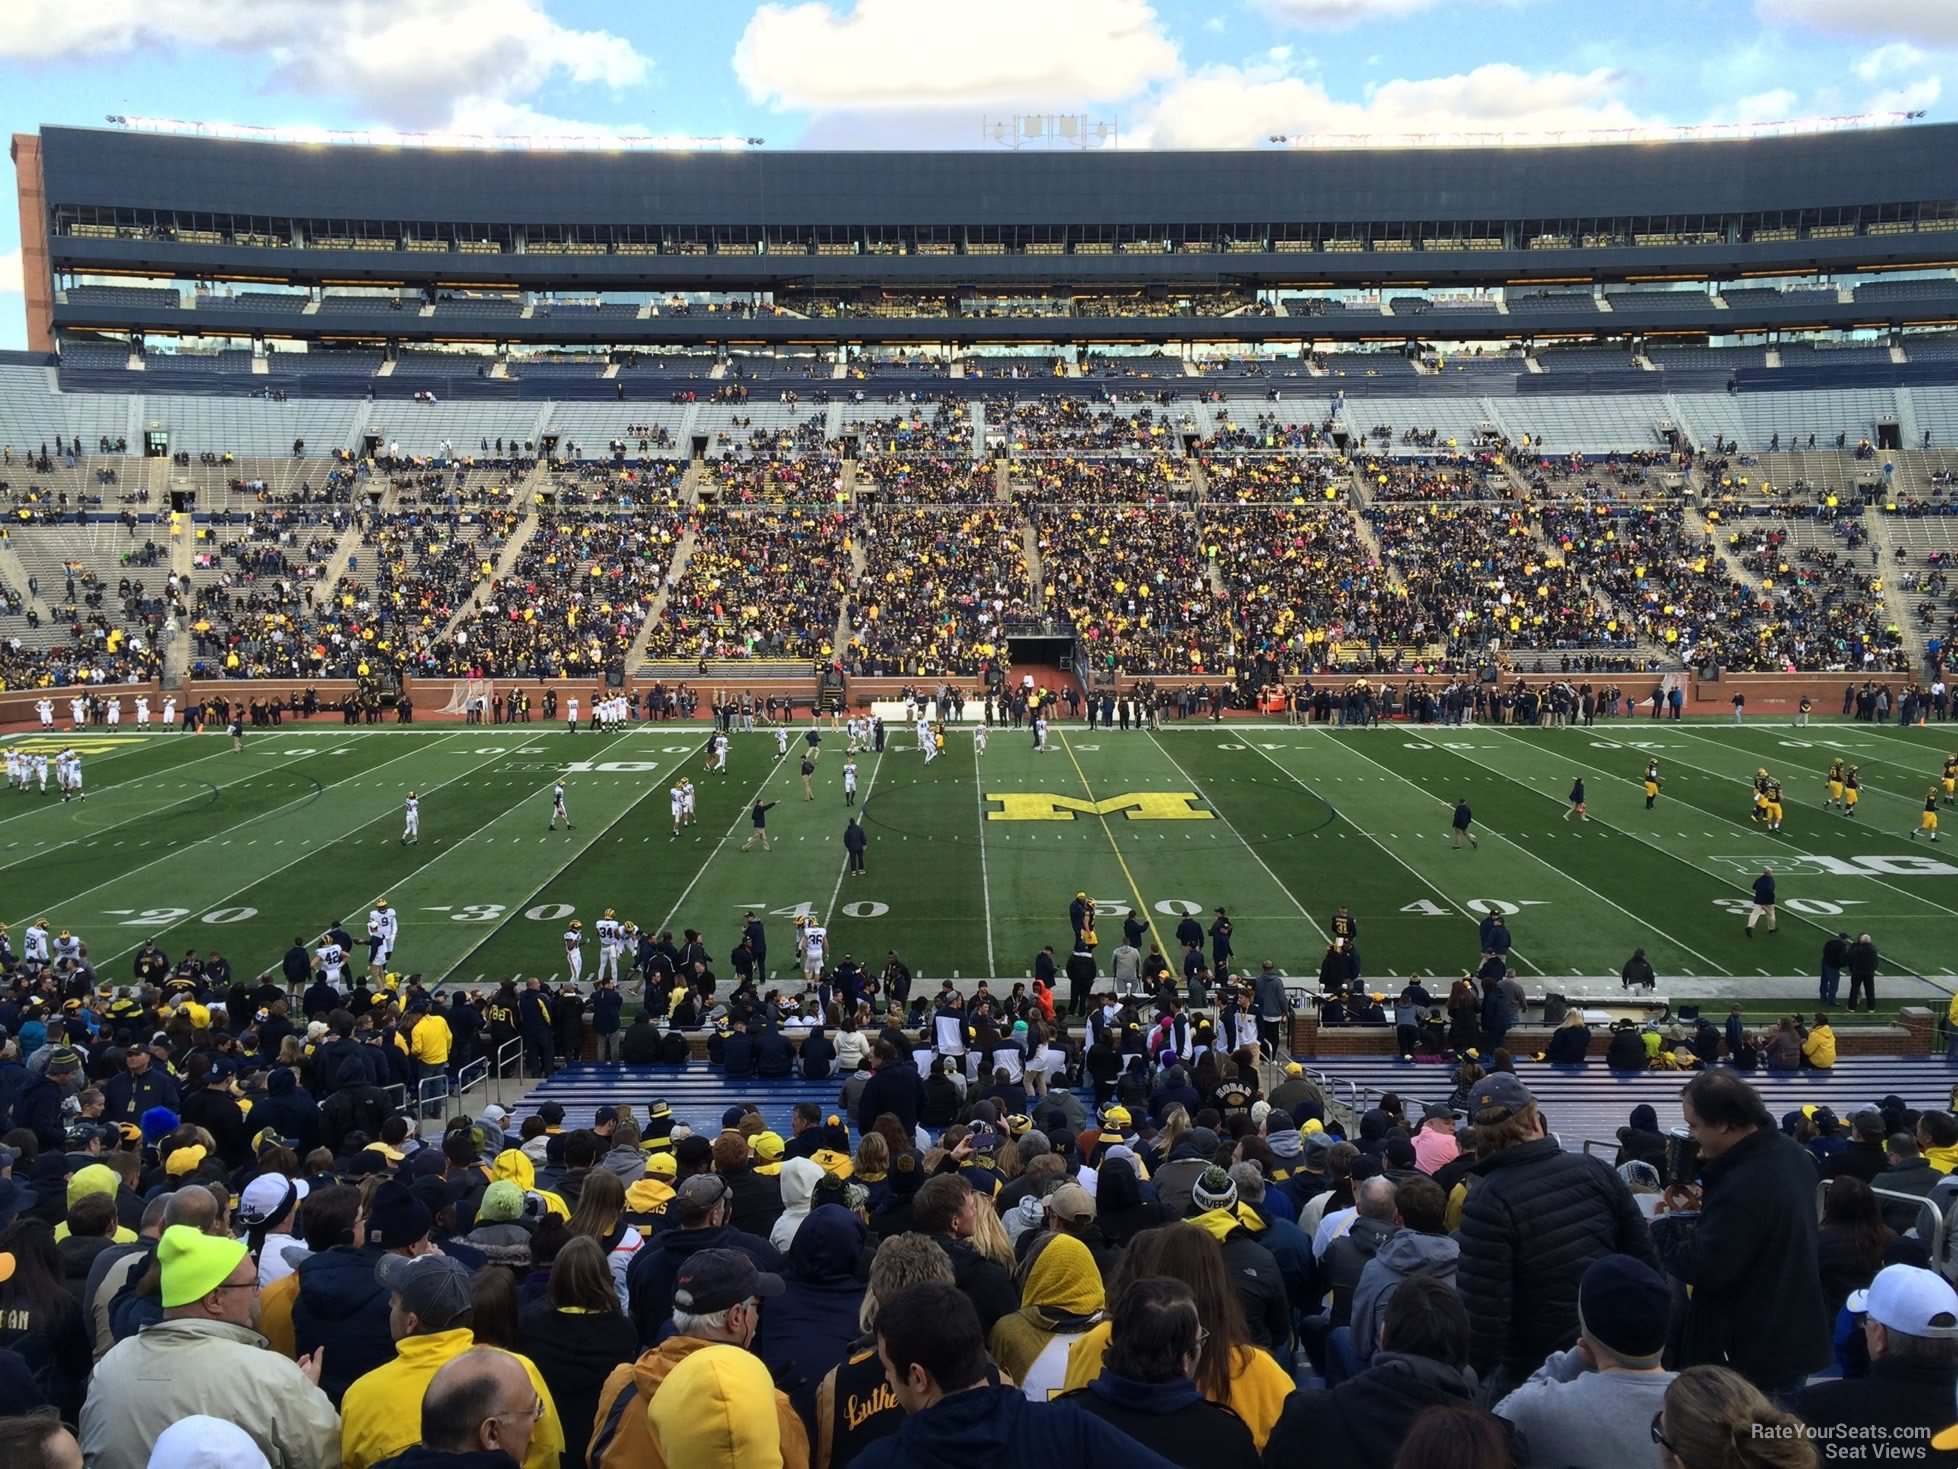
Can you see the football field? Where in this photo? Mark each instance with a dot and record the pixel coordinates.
(972, 860)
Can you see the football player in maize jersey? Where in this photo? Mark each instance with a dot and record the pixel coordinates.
(1852, 788)
(611, 937)
(1771, 809)
(1928, 822)
(1651, 784)
(1835, 784)
(1950, 780)
(1760, 810)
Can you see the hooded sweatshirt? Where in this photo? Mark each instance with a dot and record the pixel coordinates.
(799, 1179)
(1404, 1253)
(517, 1168)
(987, 1426)
(1173, 1418)
(623, 1435)
(1061, 1299)
(1254, 1273)
(806, 1330)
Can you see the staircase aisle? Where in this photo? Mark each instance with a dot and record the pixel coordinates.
(682, 554)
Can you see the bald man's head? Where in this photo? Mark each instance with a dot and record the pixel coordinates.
(480, 1400)
(193, 1205)
(1375, 1200)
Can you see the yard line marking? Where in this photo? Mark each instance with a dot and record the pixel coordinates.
(178, 851)
(516, 909)
(837, 891)
(1695, 866)
(264, 876)
(1643, 923)
(985, 877)
(1428, 883)
(1141, 906)
(781, 761)
(1232, 826)
(1783, 844)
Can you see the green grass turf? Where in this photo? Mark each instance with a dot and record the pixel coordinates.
(183, 839)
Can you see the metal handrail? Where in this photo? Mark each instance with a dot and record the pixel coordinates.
(397, 1096)
(471, 1076)
(504, 1053)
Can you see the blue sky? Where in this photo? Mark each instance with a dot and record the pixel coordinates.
(923, 73)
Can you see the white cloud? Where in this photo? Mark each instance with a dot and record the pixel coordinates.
(411, 63)
(1215, 25)
(11, 281)
(1932, 23)
(1336, 15)
(945, 53)
(1777, 104)
(1227, 107)
(1914, 96)
(1889, 59)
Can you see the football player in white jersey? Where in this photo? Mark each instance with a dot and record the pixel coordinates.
(75, 791)
(611, 935)
(924, 738)
(15, 776)
(781, 742)
(687, 800)
(41, 772)
(34, 945)
(679, 800)
(574, 948)
(45, 708)
(383, 926)
(169, 710)
(77, 712)
(849, 782)
(719, 766)
(142, 711)
(558, 809)
(67, 946)
(115, 710)
(411, 820)
(979, 739)
(329, 960)
(571, 716)
(815, 944)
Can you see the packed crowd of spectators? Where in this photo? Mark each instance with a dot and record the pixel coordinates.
(1301, 584)
(1078, 426)
(763, 583)
(1102, 483)
(1821, 605)
(1274, 479)
(814, 480)
(1476, 572)
(1446, 477)
(1134, 584)
(936, 587)
(1265, 433)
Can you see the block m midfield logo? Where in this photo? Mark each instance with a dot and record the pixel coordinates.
(1135, 806)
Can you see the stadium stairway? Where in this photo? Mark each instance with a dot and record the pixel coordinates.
(1591, 1102)
(697, 1093)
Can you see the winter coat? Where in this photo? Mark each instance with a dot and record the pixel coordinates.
(894, 1087)
(986, 1427)
(1901, 1400)
(381, 1414)
(1757, 1303)
(1402, 1255)
(622, 1436)
(990, 1288)
(576, 1352)
(342, 1307)
(289, 1110)
(806, 1330)
(650, 1278)
(1534, 1220)
(1346, 1257)
(754, 1200)
(1360, 1423)
(1172, 1418)
(502, 1244)
(178, 1369)
(1255, 1274)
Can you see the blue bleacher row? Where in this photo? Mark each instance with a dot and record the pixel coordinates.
(1580, 1103)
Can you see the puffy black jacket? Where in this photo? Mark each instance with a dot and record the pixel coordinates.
(342, 1307)
(656, 1266)
(1360, 1423)
(1345, 1258)
(1535, 1218)
(985, 1284)
(1757, 1303)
